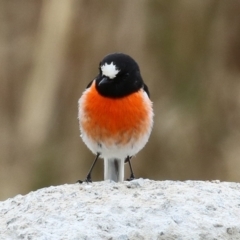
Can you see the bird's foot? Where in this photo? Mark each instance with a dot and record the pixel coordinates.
(131, 178)
(87, 180)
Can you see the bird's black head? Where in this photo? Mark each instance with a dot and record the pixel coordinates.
(119, 76)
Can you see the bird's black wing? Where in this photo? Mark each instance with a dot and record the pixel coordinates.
(145, 88)
(89, 85)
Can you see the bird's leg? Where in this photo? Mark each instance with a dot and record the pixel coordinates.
(128, 159)
(88, 177)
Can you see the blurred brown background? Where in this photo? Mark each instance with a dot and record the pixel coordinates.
(189, 55)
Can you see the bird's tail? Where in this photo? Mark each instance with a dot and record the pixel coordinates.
(114, 169)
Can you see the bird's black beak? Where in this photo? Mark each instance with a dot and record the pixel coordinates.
(105, 80)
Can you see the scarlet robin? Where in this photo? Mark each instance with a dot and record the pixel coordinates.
(115, 115)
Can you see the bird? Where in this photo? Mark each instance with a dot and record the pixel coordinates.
(115, 115)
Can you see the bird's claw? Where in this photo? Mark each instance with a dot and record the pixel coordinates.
(131, 178)
(87, 180)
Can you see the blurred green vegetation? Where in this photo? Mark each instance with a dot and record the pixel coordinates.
(189, 55)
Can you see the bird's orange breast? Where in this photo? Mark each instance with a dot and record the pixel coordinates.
(115, 119)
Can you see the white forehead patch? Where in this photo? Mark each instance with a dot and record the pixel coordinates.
(109, 70)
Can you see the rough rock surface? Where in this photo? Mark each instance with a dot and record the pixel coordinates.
(140, 209)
